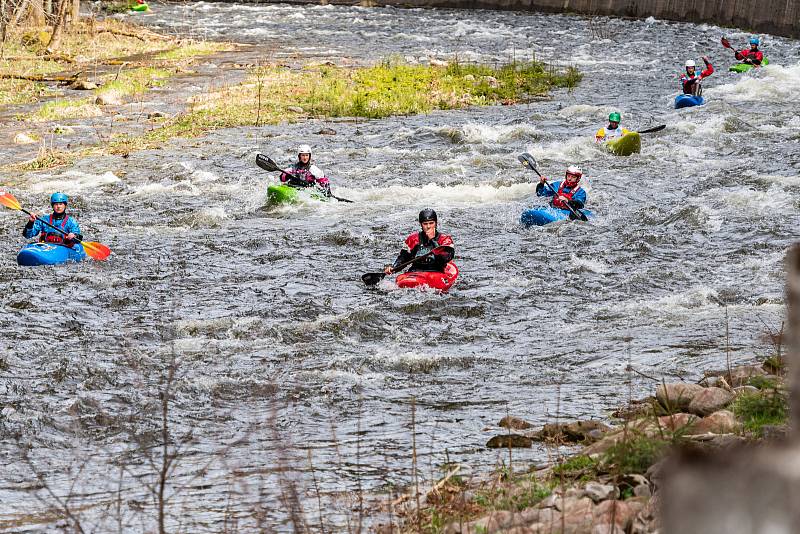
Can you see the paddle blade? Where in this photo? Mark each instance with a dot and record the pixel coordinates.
(8, 200)
(266, 163)
(655, 129)
(725, 43)
(96, 250)
(371, 279)
(340, 199)
(527, 160)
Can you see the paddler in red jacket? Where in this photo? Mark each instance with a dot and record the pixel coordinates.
(420, 243)
(691, 79)
(752, 55)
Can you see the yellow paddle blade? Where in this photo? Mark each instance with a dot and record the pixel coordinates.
(8, 200)
(96, 250)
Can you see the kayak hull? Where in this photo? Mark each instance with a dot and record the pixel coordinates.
(34, 254)
(139, 8)
(744, 67)
(286, 194)
(546, 215)
(630, 143)
(688, 101)
(434, 280)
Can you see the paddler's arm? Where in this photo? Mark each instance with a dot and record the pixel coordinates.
(403, 257)
(578, 200)
(542, 190)
(441, 259)
(709, 68)
(32, 228)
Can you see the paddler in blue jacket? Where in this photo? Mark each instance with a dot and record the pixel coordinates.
(59, 219)
(420, 243)
(567, 191)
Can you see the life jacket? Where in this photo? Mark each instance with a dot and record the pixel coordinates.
(54, 237)
(557, 203)
(414, 241)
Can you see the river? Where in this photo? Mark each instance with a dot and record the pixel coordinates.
(286, 361)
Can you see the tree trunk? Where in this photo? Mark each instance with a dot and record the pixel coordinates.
(37, 13)
(75, 11)
(59, 24)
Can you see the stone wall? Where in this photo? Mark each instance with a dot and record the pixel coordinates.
(777, 17)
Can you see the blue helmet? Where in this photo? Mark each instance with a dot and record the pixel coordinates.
(58, 197)
(754, 40)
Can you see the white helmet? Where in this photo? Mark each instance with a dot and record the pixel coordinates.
(690, 63)
(575, 170)
(304, 149)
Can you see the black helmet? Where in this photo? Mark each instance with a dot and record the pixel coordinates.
(428, 215)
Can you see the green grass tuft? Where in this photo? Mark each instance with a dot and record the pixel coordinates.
(767, 407)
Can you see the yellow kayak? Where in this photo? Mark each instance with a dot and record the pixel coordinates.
(630, 143)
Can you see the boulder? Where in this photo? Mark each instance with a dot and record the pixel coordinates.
(617, 512)
(677, 396)
(23, 139)
(327, 131)
(514, 423)
(775, 432)
(577, 431)
(509, 440)
(60, 129)
(157, 115)
(109, 98)
(83, 85)
(739, 375)
(710, 400)
(294, 109)
(719, 422)
(601, 492)
(677, 422)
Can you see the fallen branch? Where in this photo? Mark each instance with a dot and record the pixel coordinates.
(38, 77)
(439, 485)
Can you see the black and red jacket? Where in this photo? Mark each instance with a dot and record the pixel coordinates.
(418, 244)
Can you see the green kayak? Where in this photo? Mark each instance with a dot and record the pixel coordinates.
(744, 67)
(626, 145)
(286, 194)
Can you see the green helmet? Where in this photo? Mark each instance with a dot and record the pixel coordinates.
(614, 117)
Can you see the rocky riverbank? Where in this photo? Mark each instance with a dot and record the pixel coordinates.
(612, 482)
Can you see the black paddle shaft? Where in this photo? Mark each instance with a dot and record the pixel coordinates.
(373, 278)
(529, 162)
(23, 210)
(267, 164)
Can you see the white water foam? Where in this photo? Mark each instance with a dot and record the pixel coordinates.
(773, 83)
(74, 181)
(457, 194)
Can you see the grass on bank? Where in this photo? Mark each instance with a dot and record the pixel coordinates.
(89, 47)
(759, 409)
(275, 94)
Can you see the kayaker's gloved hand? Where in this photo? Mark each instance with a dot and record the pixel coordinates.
(387, 269)
(32, 219)
(70, 237)
(705, 60)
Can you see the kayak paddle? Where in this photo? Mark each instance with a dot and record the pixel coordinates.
(727, 44)
(96, 250)
(654, 129)
(371, 279)
(267, 164)
(527, 160)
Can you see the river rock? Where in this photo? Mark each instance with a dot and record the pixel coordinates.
(83, 85)
(327, 131)
(514, 423)
(775, 432)
(676, 422)
(677, 396)
(294, 109)
(578, 431)
(739, 375)
(617, 512)
(601, 492)
(109, 98)
(23, 139)
(509, 440)
(491, 81)
(60, 129)
(710, 400)
(157, 115)
(719, 422)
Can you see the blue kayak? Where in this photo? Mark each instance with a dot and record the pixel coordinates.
(688, 101)
(545, 215)
(34, 254)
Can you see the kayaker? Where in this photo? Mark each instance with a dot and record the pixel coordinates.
(420, 243)
(567, 191)
(752, 55)
(59, 219)
(691, 79)
(309, 174)
(612, 131)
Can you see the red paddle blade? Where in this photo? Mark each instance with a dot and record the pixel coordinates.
(10, 201)
(725, 43)
(96, 250)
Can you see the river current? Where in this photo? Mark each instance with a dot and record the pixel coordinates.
(291, 375)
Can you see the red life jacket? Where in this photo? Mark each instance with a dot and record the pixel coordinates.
(47, 237)
(557, 203)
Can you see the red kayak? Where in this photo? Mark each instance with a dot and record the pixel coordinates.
(436, 280)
